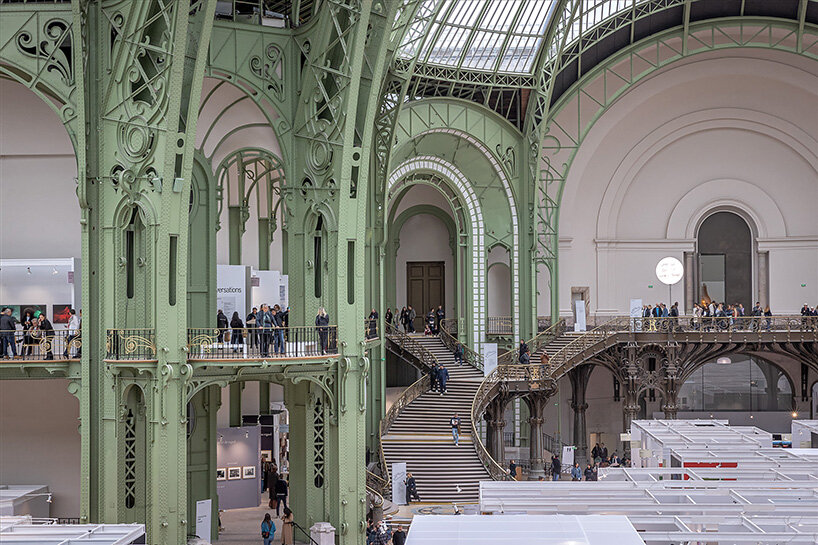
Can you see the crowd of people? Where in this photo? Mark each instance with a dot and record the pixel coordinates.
(266, 328)
(278, 489)
(405, 318)
(36, 328)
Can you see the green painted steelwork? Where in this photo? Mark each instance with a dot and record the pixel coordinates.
(125, 78)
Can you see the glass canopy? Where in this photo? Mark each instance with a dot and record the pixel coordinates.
(502, 36)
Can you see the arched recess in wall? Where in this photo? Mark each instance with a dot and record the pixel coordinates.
(466, 209)
(134, 456)
(499, 286)
(474, 137)
(236, 120)
(748, 383)
(248, 180)
(39, 176)
(395, 226)
(724, 260)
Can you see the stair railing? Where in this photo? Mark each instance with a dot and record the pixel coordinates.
(411, 345)
(563, 360)
(469, 356)
(541, 339)
(410, 394)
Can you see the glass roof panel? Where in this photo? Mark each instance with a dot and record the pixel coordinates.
(499, 35)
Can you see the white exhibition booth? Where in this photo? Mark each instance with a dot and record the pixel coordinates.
(528, 529)
(18, 499)
(26, 531)
(48, 285)
(805, 434)
(240, 288)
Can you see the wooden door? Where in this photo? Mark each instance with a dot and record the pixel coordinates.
(425, 288)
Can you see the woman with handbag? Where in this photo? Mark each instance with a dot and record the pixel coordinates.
(287, 527)
(268, 529)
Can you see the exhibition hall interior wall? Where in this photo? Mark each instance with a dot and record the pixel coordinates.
(733, 131)
(40, 440)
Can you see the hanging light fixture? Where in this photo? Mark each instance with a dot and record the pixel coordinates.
(724, 360)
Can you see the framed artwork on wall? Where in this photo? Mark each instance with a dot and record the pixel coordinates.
(61, 313)
(249, 472)
(15, 310)
(31, 309)
(267, 455)
(233, 473)
(221, 473)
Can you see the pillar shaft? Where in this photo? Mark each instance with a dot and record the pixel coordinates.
(536, 402)
(579, 383)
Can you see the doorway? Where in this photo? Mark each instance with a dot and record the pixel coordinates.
(725, 255)
(425, 288)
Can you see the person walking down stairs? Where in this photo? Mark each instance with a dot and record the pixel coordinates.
(442, 378)
(411, 489)
(455, 422)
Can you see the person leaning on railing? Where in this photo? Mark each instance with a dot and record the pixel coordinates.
(8, 325)
(322, 323)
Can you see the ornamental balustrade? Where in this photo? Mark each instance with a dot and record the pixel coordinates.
(544, 337)
(408, 343)
(130, 344)
(40, 345)
(257, 343)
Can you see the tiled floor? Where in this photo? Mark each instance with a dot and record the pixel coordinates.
(243, 526)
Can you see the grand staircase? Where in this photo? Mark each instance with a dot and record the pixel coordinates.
(421, 435)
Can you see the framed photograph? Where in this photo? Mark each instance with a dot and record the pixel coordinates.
(15, 310)
(31, 309)
(233, 473)
(248, 472)
(267, 455)
(60, 313)
(221, 473)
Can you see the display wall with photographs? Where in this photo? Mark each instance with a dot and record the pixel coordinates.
(238, 469)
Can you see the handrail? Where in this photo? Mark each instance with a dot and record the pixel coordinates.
(541, 339)
(405, 341)
(469, 356)
(559, 360)
(376, 482)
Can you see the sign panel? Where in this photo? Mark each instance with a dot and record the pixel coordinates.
(232, 290)
(580, 325)
(568, 456)
(489, 357)
(669, 271)
(636, 312)
(204, 525)
(398, 484)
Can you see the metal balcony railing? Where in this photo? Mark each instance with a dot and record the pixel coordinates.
(130, 344)
(371, 329)
(258, 343)
(500, 325)
(40, 345)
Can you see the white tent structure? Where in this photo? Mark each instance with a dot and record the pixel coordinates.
(27, 531)
(726, 487)
(531, 530)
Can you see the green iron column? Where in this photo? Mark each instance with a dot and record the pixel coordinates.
(143, 63)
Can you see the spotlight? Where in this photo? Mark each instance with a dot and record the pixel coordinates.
(48, 499)
(795, 414)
